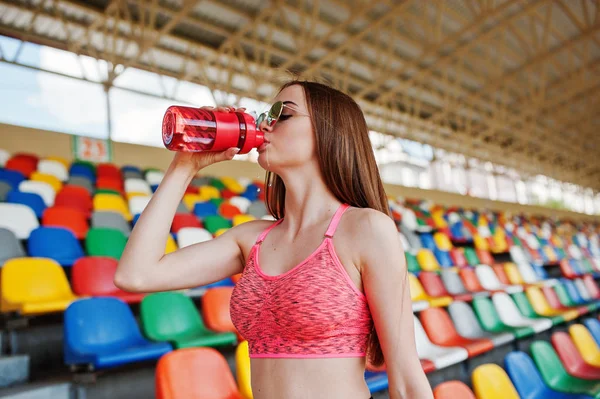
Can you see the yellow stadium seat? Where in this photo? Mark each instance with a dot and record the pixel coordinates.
(541, 306)
(427, 260)
(240, 219)
(233, 185)
(585, 343)
(490, 381)
(112, 202)
(47, 178)
(513, 274)
(59, 159)
(190, 200)
(500, 244)
(242, 368)
(171, 245)
(35, 286)
(207, 193)
(438, 219)
(480, 242)
(417, 293)
(550, 253)
(442, 241)
(132, 194)
(219, 232)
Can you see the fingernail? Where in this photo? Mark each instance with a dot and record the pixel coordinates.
(236, 150)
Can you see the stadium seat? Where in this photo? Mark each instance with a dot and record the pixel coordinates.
(172, 317)
(181, 220)
(110, 183)
(215, 310)
(434, 287)
(529, 274)
(207, 192)
(471, 256)
(69, 218)
(11, 177)
(83, 182)
(56, 243)
(137, 204)
(513, 274)
(420, 299)
(554, 301)
(593, 326)
(510, 315)
(455, 286)
(154, 177)
(10, 246)
(441, 331)
(466, 323)
(470, 280)
(111, 220)
(32, 200)
(204, 209)
(585, 343)
(258, 210)
(5, 188)
(441, 356)
(490, 381)
(527, 379)
(453, 390)
(131, 172)
(241, 219)
(54, 168)
(571, 357)
(192, 235)
(18, 218)
(105, 242)
(569, 297)
(427, 260)
(490, 320)
(195, 373)
(103, 333)
(243, 204)
(489, 280)
(51, 180)
(555, 375)
(215, 223)
(115, 203)
(586, 291)
(34, 286)
(590, 287)
(108, 170)
(94, 276)
(43, 189)
(75, 197)
(540, 305)
(242, 369)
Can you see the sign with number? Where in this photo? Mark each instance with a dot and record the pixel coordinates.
(90, 149)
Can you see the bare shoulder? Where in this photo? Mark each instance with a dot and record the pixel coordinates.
(246, 233)
(370, 222)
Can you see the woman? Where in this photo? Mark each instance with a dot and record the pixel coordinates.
(330, 288)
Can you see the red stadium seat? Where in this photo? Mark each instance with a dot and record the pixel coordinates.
(501, 273)
(76, 197)
(571, 357)
(195, 373)
(108, 170)
(441, 331)
(591, 286)
(485, 257)
(458, 257)
(453, 390)
(182, 220)
(72, 219)
(93, 276)
(24, 163)
(470, 280)
(434, 286)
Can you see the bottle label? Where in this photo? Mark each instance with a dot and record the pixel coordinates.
(168, 128)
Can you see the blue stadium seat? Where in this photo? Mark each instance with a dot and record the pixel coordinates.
(528, 381)
(83, 171)
(572, 291)
(203, 209)
(56, 243)
(427, 241)
(443, 257)
(103, 332)
(376, 381)
(12, 177)
(593, 325)
(251, 192)
(32, 200)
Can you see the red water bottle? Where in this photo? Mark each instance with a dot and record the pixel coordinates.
(194, 129)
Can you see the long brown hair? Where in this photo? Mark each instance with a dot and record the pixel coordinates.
(346, 160)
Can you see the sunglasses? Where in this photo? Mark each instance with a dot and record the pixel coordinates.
(272, 115)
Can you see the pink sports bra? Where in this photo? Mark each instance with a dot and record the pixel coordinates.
(313, 310)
